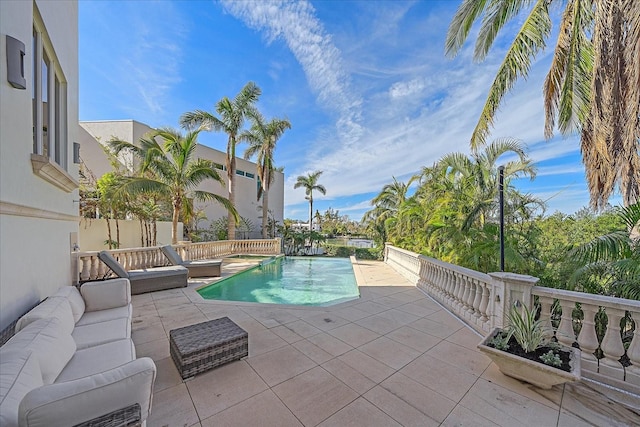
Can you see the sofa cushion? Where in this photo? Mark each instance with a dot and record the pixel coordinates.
(106, 294)
(93, 360)
(72, 294)
(19, 374)
(51, 307)
(100, 333)
(49, 341)
(91, 317)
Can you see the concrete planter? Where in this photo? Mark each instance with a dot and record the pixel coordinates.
(536, 373)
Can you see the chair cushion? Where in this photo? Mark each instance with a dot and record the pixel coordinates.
(93, 360)
(72, 294)
(91, 317)
(149, 273)
(101, 333)
(106, 294)
(19, 374)
(49, 341)
(113, 264)
(51, 307)
(171, 254)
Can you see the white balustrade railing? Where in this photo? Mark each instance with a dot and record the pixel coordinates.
(91, 268)
(601, 359)
(482, 301)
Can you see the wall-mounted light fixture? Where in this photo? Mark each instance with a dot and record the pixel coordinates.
(15, 63)
(76, 153)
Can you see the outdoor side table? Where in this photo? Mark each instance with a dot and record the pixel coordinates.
(204, 346)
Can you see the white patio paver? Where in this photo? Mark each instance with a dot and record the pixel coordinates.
(392, 357)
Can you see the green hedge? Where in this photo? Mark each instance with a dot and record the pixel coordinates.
(341, 251)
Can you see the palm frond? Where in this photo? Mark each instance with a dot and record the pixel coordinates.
(461, 24)
(517, 62)
(496, 15)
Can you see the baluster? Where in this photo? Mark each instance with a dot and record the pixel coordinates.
(485, 302)
(565, 333)
(633, 352)
(612, 342)
(469, 294)
(85, 270)
(545, 315)
(460, 288)
(587, 338)
(467, 297)
(477, 299)
(95, 265)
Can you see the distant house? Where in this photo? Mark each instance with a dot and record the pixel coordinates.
(95, 133)
(38, 125)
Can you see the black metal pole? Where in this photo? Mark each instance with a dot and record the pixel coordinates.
(501, 193)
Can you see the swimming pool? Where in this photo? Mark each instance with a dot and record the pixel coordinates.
(289, 280)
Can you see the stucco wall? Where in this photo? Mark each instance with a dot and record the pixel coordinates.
(93, 233)
(38, 221)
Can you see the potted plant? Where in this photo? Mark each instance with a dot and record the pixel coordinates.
(523, 351)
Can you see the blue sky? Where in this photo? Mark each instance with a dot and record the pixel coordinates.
(365, 84)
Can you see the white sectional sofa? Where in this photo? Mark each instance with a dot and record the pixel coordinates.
(72, 361)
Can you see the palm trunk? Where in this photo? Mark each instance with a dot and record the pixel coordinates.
(177, 204)
(141, 231)
(109, 233)
(117, 234)
(310, 219)
(265, 214)
(231, 229)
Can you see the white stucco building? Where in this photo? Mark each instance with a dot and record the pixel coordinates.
(93, 134)
(38, 125)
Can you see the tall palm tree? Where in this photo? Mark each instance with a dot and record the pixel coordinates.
(386, 206)
(310, 183)
(593, 85)
(478, 175)
(170, 170)
(262, 139)
(231, 118)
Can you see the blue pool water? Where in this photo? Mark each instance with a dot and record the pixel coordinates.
(289, 280)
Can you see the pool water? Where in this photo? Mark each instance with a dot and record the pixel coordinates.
(289, 280)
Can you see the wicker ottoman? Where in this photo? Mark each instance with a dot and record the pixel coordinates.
(203, 346)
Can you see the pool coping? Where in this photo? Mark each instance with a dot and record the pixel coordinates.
(191, 292)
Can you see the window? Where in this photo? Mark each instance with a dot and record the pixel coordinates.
(49, 111)
(49, 101)
(219, 166)
(239, 172)
(249, 175)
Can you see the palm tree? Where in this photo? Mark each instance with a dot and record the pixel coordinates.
(170, 170)
(613, 260)
(593, 85)
(310, 183)
(262, 139)
(231, 118)
(386, 206)
(478, 175)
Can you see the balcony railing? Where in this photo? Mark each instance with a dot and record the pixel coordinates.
(483, 301)
(91, 268)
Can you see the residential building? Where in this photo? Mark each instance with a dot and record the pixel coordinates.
(95, 134)
(38, 125)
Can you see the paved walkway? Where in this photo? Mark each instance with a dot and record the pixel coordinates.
(393, 357)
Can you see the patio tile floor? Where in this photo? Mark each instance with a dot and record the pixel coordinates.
(393, 357)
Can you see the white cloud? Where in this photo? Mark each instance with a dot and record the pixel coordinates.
(297, 25)
(410, 88)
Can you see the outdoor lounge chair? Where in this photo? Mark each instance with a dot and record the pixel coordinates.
(197, 268)
(148, 279)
